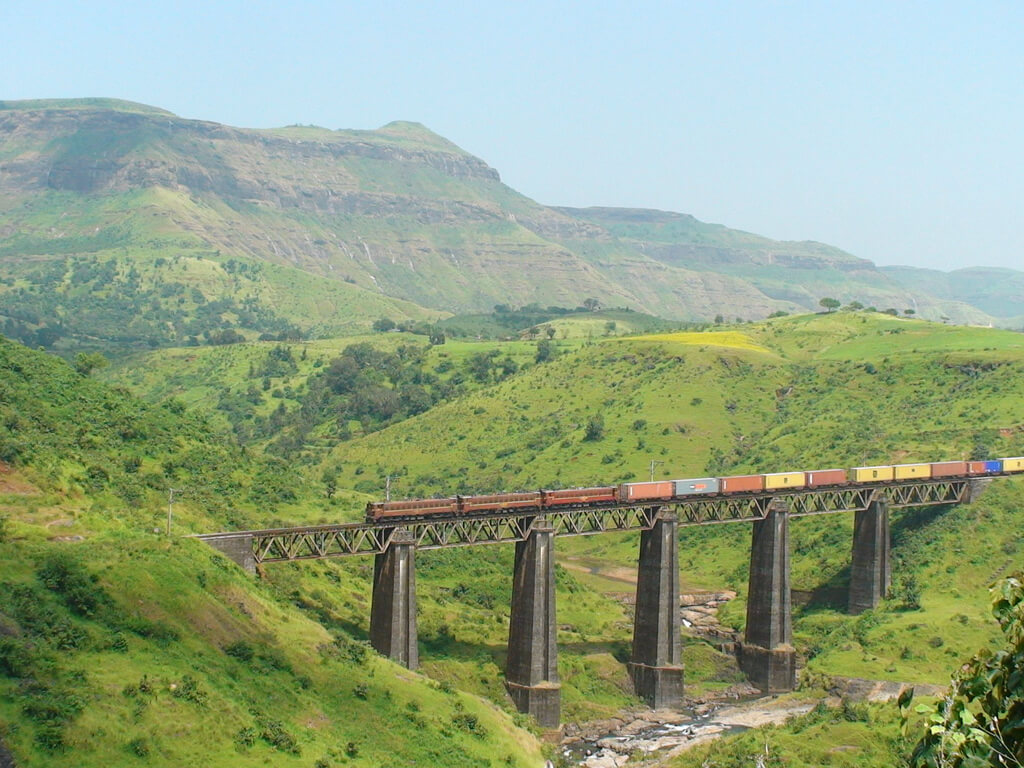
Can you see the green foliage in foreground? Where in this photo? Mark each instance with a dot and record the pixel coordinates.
(981, 721)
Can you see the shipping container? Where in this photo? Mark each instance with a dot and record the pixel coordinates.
(777, 480)
(989, 467)
(498, 501)
(821, 477)
(696, 486)
(741, 483)
(1016, 464)
(411, 508)
(949, 469)
(912, 471)
(641, 491)
(570, 496)
(872, 474)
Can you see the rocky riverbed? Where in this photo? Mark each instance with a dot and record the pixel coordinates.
(611, 743)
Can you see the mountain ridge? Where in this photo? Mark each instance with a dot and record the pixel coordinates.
(398, 211)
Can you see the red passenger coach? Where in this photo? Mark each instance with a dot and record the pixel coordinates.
(498, 501)
(575, 496)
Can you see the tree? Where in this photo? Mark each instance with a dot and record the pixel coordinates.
(383, 324)
(595, 428)
(545, 351)
(980, 722)
(830, 305)
(909, 312)
(591, 305)
(609, 328)
(87, 362)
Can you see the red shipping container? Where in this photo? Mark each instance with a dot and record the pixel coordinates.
(949, 469)
(820, 477)
(644, 491)
(741, 483)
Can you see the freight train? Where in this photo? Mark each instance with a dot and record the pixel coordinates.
(675, 490)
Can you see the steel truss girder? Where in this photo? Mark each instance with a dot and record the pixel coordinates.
(271, 546)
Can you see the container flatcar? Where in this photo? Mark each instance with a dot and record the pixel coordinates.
(825, 477)
(572, 496)
(742, 483)
(872, 474)
(1015, 464)
(989, 467)
(644, 491)
(949, 469)
(777, 480)
(696, 486)
(912, 471)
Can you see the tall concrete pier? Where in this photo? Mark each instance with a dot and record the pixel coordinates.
(393, 610)
(655, 663)
(869, 571)
(766, 654)
(531, 672)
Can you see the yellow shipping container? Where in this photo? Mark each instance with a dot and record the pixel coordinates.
(1013, 465)
(870, 474)
(785, 480)
(913, 471)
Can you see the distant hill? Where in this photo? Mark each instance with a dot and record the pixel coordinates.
(999, 292)
(368, 218)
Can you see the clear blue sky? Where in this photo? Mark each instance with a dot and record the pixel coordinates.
(894, 130)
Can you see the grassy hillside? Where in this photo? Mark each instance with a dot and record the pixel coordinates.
(119, 645)
(807, 392)
(836, 390)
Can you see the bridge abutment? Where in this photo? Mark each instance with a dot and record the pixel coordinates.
(393, 607)
(238, 547)
(870, 569)
(655, 663)
(531, 671)
(766, 655)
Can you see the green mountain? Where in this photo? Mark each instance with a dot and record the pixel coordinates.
(800, 273)
(126, 225)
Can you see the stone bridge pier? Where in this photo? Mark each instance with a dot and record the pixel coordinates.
(531, 670)
(393, 607)
(655, 662)
(766, 655)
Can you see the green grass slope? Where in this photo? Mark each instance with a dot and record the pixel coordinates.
(119, 645)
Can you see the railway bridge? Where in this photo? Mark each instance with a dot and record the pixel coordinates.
(766, 654)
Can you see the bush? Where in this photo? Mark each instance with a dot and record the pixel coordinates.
(240, 650)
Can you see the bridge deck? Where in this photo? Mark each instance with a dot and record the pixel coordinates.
(314, 542)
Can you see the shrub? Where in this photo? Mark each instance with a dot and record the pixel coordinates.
(240, 650)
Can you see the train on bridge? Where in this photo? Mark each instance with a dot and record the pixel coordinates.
(677, 490)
